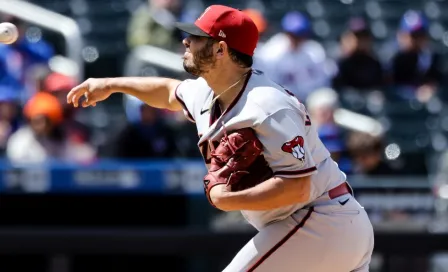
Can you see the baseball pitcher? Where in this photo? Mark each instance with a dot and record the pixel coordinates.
(263, 155)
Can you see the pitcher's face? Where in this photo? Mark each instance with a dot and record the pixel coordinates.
(199, 55)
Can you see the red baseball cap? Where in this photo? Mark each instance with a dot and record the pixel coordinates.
(59, 82)
(227, 24)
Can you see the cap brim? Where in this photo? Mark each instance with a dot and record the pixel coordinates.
(191, 29)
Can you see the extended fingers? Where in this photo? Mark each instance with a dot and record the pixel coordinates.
(75, 94)
(71, 94)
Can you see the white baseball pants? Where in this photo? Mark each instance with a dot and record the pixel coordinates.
(327, 237)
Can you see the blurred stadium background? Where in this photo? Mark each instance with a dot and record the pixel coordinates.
(118, 187)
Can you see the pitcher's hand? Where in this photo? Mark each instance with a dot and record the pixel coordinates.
(93, 89)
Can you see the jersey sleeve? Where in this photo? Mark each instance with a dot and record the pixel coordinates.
(287, 148)
(186, 92)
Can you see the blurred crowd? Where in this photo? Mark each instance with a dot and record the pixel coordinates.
(36, 124)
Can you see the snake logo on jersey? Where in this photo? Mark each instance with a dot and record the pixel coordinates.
(295, 147)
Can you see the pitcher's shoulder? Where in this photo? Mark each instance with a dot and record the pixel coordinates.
(198, 84)
(269, 96)
(193, 89)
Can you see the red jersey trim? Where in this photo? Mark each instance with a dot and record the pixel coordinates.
(297, 172)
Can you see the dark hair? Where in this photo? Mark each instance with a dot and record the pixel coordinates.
(243, 60)
(362, 143)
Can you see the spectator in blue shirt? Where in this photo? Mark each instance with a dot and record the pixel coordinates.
(18, 59)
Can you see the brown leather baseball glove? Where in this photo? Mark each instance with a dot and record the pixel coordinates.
(237, 162)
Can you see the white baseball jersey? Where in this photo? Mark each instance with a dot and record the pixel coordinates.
(291, 144)
(280, 63)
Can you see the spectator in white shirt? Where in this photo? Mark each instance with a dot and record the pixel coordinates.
(294, 60)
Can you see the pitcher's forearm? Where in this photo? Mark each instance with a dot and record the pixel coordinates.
(157, 92)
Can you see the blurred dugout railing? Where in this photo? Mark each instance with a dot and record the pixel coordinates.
(416, 234)
(52, 21)
(414, 198)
